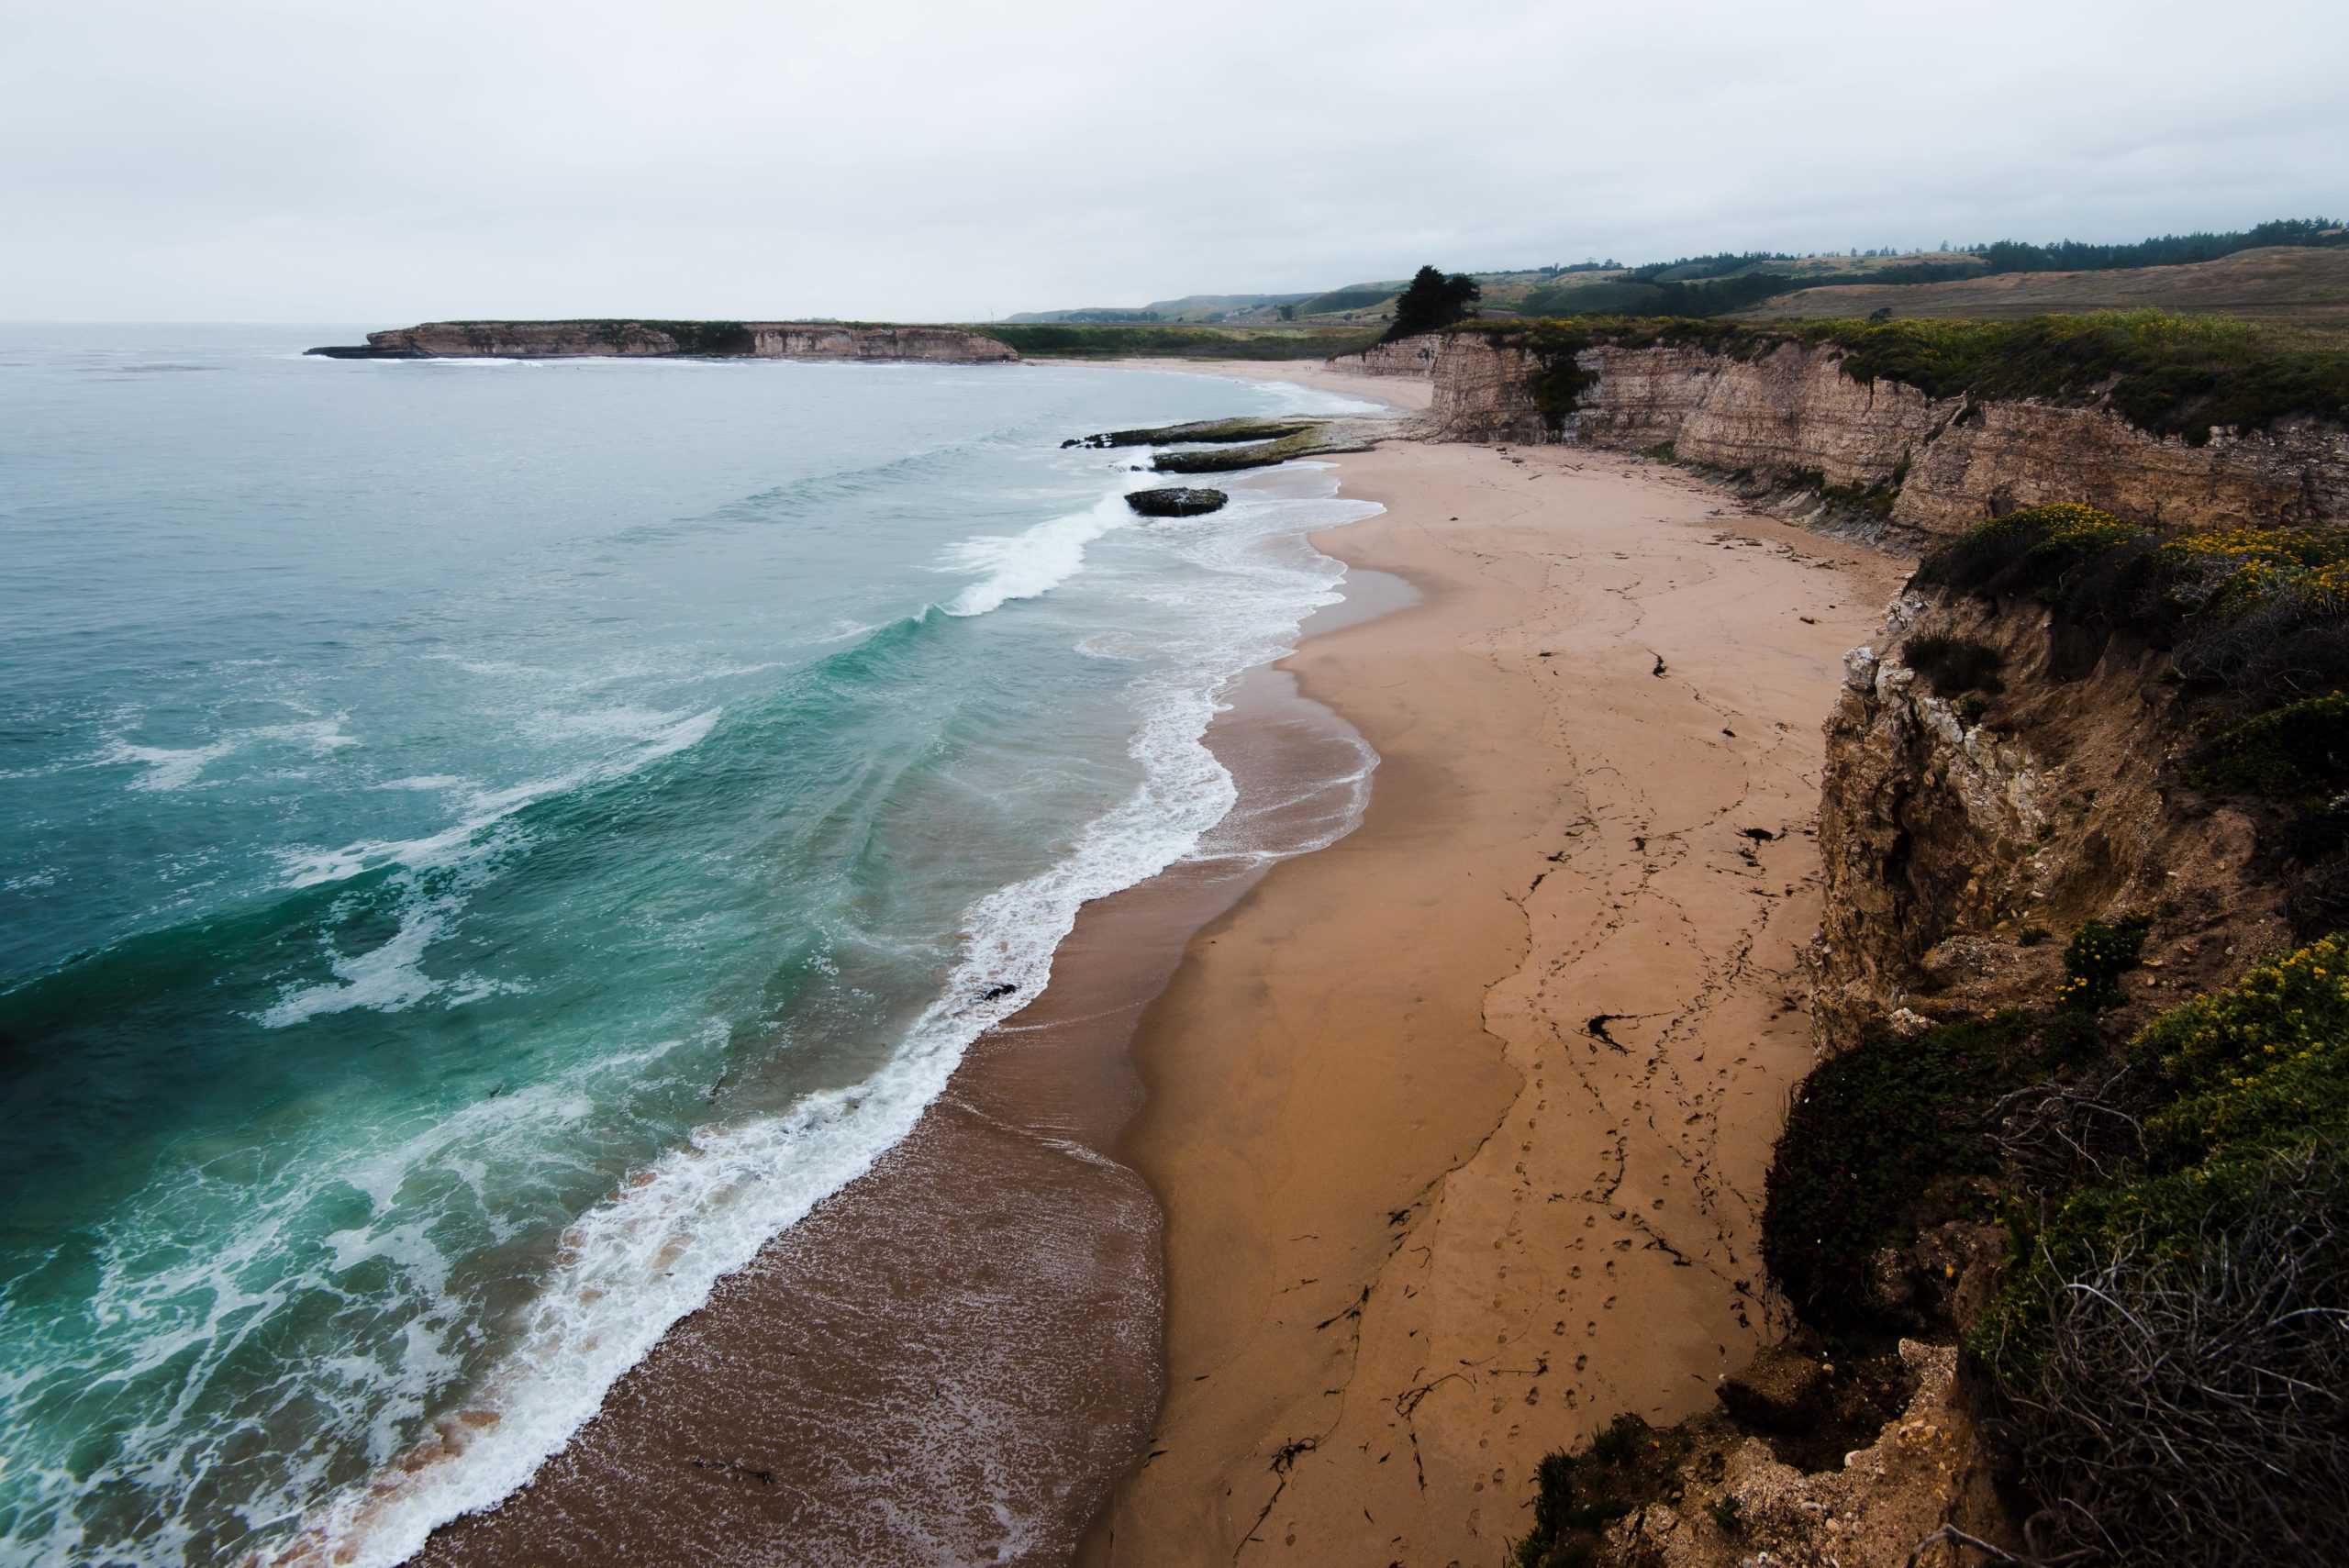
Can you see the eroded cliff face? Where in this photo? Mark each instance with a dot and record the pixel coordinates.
(757, 340)
(1950, 835)
(1414, 358)
(1484, 393)
(949, 345)
(1791, 418)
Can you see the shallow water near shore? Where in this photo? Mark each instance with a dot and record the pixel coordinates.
(485, 845)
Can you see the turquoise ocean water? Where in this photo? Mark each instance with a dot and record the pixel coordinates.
(482, 846)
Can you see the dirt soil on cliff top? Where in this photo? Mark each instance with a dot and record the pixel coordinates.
(1460, 1125)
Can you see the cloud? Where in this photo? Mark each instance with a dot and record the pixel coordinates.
(374, 164)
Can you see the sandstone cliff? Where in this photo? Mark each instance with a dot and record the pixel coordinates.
(1791, 418)
(1413, 358)
(1955, 838)
(721, 340)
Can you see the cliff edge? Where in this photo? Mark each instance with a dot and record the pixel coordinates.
(1830, 427)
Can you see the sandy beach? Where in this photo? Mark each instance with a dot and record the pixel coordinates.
(1459, 1126)
(1404, 1163)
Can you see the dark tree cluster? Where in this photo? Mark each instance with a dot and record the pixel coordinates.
(1434, 302)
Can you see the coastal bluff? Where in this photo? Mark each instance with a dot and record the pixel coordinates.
(1793, 419)
(676, 339)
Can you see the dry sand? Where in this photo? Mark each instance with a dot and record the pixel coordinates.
(1459, 1126)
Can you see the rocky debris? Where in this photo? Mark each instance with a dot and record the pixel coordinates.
(1785, 1390)
(1175, 501)
(1739, 1504)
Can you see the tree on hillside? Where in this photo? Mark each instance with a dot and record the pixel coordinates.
(1433, 301)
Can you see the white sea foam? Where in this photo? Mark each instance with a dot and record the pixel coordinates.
(651, 1253)
(1022, 566)
(385, 979)
(483, 808)
(167, 768)
(391, 977)
(320, 737)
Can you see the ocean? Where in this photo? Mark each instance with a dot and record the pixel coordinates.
(484, 847)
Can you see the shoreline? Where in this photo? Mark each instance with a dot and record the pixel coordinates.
(1382, 1310)
(930, 1397)
(1074, 1130)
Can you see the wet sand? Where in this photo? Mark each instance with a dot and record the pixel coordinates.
(1459, 1126)
(951, 1359)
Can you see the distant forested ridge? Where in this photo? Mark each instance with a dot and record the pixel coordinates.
(1729, 282)
(2169, 250)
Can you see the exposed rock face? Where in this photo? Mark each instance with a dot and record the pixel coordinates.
(1793, 415)
(1414, 358)
(1947, 838)
(1481, 393)
(730, 340)
(949, 345)
(1925, 1466)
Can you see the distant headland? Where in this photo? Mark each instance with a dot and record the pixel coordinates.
(686, 340)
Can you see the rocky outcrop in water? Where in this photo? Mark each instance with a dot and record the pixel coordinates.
(687, 339)
(1791, 418)
(1215, 432)
(1176, 501)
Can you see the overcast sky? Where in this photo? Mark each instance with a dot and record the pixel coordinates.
(379, 163)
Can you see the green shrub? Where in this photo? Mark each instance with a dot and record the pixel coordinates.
(1576, 1497)
(1868, 1133)
(2231, 571)
(2098, 954)
(2024, 551)
(2300, 749)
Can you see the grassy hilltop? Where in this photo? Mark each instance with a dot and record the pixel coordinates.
(2291, 276)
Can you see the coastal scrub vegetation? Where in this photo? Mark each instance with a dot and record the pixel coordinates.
(1868, 1135)
(2166, 1365)
(1877, 1135)
(1085, 340)
(2171, 1350)
(2167, 375)
(2169, 1359)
